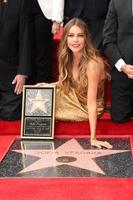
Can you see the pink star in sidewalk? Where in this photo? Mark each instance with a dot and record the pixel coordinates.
(73, 154)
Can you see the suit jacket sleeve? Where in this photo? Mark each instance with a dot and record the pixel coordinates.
(110, 35)
(24, 42)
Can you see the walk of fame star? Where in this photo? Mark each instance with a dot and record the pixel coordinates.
(39, 102)
(70, 153)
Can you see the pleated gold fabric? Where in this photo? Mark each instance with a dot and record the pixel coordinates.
(69, 107)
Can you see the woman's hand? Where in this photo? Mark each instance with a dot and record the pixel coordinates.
(100, 144)
(47, 84)
(41, 84)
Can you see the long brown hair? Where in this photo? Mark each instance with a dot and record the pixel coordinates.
(65, 57)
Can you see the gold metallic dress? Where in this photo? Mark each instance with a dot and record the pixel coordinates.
(73, 107)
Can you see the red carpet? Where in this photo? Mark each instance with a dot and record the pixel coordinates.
(105, 126)
(10, 128)
(66, 189)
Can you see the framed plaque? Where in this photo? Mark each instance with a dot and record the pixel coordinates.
(38, 112)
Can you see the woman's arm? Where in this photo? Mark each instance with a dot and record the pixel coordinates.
(94, 73)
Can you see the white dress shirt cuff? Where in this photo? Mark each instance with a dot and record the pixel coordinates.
(119, 64)
(58, 10)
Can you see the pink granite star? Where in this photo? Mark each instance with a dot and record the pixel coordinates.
(70, 153)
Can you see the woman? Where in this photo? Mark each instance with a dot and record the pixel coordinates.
(80, 89)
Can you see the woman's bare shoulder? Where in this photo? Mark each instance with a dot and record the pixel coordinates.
(96, 64)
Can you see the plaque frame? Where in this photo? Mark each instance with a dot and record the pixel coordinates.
(38, 112)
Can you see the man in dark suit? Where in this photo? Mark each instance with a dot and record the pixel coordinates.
(14, 56)
(46, 17)
(41, 41)
(93, 12)
(118, 44)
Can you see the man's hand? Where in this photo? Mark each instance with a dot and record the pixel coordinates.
(128, 70)
(19, 82)
(55, 27)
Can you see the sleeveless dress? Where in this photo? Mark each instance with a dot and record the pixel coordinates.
(69, 107)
